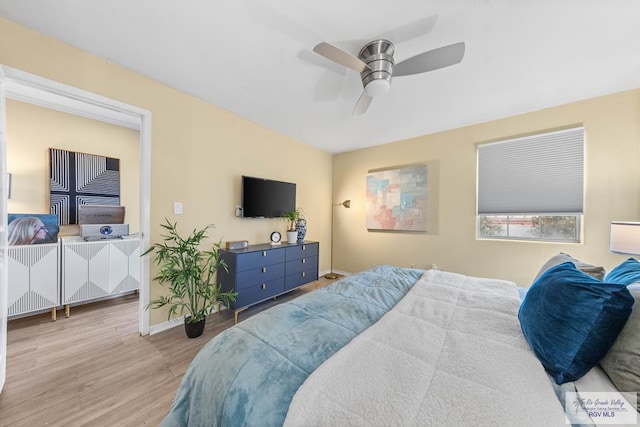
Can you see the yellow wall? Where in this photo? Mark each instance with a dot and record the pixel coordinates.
(32, 130)
(612, 192)
(198, 152)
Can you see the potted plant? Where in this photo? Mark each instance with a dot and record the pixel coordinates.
(189, 274)
(292, 218)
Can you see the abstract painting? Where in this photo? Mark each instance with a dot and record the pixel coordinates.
(81, 179)
(397, 199)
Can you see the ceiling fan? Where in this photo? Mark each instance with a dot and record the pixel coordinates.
(376, 65)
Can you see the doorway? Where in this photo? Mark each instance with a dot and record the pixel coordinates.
(29, 88)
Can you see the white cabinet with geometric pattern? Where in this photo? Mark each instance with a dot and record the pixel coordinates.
(97, 269)
(33, 278)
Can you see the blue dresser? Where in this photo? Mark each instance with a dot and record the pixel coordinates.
(260, 272)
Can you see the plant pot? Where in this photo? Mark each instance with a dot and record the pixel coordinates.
(194, 329)
(292, 236)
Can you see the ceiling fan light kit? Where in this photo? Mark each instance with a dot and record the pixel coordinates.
(376, 78)
(375, 64)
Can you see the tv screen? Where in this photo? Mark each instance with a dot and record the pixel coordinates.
(265, 198)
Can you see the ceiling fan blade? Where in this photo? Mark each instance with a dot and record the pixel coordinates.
(334, 54)
(362, 105)
(431, 60)
(411, 30)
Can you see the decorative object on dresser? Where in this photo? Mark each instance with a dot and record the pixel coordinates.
(275, 238)
(189, 272)
(259, 272)
(301, 228)
(292, 217)
(237, 244)
(347, 204)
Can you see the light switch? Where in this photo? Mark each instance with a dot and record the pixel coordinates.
(177, 208)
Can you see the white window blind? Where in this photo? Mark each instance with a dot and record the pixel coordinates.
(540, 174)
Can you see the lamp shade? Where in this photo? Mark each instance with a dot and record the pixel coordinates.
(625, 237)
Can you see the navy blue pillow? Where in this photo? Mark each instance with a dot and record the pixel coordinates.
(626, 273)
(571, 320)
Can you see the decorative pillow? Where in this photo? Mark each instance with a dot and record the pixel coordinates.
(622, 362)
(571, 320)
(626, 273)
(591, 270)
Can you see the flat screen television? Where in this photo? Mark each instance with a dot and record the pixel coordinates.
(265, 198)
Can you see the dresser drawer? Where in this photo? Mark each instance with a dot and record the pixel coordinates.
(260, 292)
(255, 276)
(302, 264)
(302, 251)
(251, 260)
(295, 280)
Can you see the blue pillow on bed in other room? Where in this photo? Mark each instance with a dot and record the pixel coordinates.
(571, 320)
(626, 273)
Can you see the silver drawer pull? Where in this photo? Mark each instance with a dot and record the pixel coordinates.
(304, 247)
(264, 269)
(264, 286)
(304, 273)
(264, 253)
(304, 260)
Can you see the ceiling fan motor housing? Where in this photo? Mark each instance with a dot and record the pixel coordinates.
(378, 55)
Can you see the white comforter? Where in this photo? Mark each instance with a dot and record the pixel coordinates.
(450, 353)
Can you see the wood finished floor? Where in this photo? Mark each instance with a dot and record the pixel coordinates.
(94, 369)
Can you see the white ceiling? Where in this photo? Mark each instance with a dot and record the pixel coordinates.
(255, 58)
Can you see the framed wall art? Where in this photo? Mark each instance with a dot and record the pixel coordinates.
(81, 179)
(397, 198)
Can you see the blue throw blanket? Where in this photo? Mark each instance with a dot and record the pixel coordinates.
(248, 374)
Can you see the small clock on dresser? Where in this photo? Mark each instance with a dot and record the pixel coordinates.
(275, 238)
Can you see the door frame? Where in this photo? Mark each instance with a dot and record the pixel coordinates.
(34, 89)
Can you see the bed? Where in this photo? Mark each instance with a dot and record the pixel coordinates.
(386, 346)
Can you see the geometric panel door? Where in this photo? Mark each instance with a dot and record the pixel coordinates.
(125, 266)
(94, 270)
(33, 278)
(85, 272)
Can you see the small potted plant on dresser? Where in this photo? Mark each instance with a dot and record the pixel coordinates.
(189, 273)
(292, 218)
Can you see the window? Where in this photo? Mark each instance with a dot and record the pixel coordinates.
(532, 188)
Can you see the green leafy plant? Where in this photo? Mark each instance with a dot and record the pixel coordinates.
(292, 217)
(189, 273)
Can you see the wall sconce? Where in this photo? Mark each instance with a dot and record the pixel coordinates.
(625, 238)
(9, 185)
(346, 204)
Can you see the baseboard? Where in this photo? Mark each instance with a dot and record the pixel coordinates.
(343, 273)
(160, 327)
